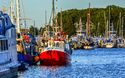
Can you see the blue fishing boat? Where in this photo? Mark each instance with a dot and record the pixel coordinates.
(25, 44)
(26, 49)
(8, 52)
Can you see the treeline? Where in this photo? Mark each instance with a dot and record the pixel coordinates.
(69, 17)
(72, 16)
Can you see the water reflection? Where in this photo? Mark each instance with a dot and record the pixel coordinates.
(98, 63)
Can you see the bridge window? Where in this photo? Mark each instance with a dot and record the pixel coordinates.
(6, 22)
(6, 44)
(3, 45)
(0, 23)
(18, 35)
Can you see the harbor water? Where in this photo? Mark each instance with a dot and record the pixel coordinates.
(97, 63)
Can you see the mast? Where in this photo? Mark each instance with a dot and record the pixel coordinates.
(98, 28)
(105, 25)
(80, 26)
(11, 11)
(46, 21)
(107, 29)
(122, 27)
(53, 17)
(17, 19)
(87, 26)
(120, 24)
(45, 18)
(109, 21)
(61, 19)
(89, 22)
(56, 22)
(24, 16)
(34, 29)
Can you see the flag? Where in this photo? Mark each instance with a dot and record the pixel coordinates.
(89, 14)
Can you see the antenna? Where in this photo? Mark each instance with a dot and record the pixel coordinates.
(4, 9)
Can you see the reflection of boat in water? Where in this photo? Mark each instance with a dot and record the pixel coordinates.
(57, 53)
(89, 47)
(8, 52)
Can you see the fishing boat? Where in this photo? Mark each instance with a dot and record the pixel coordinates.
(26, 49)
(120, 43)
(57, 53)
(88, 44)
(88, 41)
(58, 50)
(109, 43)
(8, 52)
(26, 43)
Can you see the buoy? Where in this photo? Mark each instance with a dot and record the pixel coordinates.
(36, 59)
(88, 43)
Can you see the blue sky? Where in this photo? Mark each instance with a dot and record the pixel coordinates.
(35, 9)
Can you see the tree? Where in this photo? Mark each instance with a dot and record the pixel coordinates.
(70, 17)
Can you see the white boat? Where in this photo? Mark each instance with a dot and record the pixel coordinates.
(109, 45)
(8, 52)
(57, 53)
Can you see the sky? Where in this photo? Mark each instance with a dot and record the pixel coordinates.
(35, 9)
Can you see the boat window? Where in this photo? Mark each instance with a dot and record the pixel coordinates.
(62, 45)
(6, 44)
(6, 22)
(18, 35)
(67, 47)
(57, 44)
(18, 43)
(3, 44)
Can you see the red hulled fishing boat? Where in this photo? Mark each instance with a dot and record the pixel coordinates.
(57, 53)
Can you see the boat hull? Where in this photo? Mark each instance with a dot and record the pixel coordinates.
(109, 46)
(9, 73)
(54, 57)
(29, 59)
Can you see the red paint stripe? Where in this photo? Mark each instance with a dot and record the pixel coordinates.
(54, 57)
